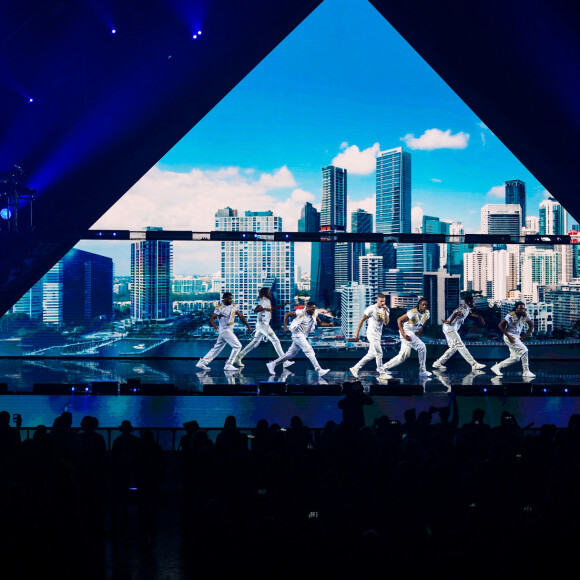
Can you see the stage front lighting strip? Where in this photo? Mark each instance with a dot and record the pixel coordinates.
(324, 237)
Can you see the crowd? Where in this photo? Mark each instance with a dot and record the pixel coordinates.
(427, 495)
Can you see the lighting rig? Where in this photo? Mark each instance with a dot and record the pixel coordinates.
(15, 201)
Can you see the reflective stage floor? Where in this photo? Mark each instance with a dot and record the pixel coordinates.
(314, 409)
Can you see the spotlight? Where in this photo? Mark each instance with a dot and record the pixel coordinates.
(113, 31)
(199, 32)
(484, 390)
(5, 213)
(31, 100)
(195, 36)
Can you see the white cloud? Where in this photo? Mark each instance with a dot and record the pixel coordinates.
(483, 125)
(416, 217)
(189, 201)
(482, 135)
(356, 161)
(436, 139)
(436, 180)
(497, 191)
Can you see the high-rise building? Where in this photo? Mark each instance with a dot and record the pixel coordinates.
(78, 288)
(31, 303)
(540, 267)
(442, 290)
(87, 286)
(333, 217)
(248, 266)
(393, 181)
(501, 218)
(515, 194)
(310, 222)
(362, 223)
(354, 298)
(436, 255)
(493, 273)
(411, 266)
(371, 272)
(151, 263)
(333, 214)
(552, 218)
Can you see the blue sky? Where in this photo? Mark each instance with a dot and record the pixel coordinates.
(341, 87)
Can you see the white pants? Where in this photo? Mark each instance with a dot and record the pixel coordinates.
(225, 337)
(518, 351)
(455, 344)
(375, 352)
(262, 331)
(299, 343)
(405, 352)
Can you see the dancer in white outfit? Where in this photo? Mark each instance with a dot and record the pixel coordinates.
(511, 327)
(451, 332)
(377, 316)
(263, 329)
(303, 324)
(225, 312)
(410, 328)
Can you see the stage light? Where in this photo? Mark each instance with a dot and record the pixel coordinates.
(195, 36)
(243, 235)
(113, 31)
(100, 234)
(566, 390)
(199, 32)
(114, 234)
(5, 213)
(31, 100)
(484, 390)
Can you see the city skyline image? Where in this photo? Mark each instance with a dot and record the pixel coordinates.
(341, 88)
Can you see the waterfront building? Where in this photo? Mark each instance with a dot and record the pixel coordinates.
(542, 314)
(354, 299)
(566, 301)
(361, 223)
(552, 218)
(247, 266)
(190, 285)
(501, 218)
(515, 194)
(78, 288)
(442, 290)
(151, 263)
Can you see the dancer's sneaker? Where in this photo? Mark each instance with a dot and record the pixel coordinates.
(438, 365)
(385, 376)
(230, 367)
(201, 365)
(322, 372)
(287, 363)
(425, 373)
(477, 366)
(354, 372)
(495, 369)
(238, 361)
(528, 374)
(271, 367)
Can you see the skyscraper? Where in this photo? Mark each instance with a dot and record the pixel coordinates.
(494, 273)
(515, 193)
(442, 291)
(354, 298)
(393, 181)
(248, 266)
(435, 254)
(552, 218)
(362, 223)
(31, 303)
(333, 217)
(540, 267)
(78, 288)
(500, 218)
(151, 262)
(310, 222)
(371, 272)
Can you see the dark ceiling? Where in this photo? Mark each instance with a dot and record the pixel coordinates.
(107, 107)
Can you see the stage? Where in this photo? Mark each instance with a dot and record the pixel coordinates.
(210, 396)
